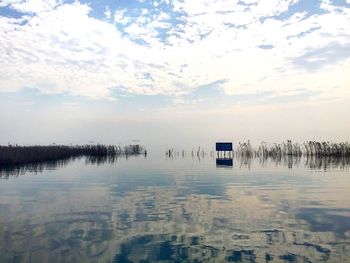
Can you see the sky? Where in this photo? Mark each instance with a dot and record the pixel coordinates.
(174, 72)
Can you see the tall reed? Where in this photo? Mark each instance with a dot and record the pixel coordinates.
(18, 154)
(309, 148)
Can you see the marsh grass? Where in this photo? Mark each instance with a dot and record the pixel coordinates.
(288, 148)
(17, 154)
(16, 160)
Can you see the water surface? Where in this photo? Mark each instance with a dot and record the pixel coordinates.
(159, 209)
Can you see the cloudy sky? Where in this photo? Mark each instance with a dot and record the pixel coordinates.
(112, 71)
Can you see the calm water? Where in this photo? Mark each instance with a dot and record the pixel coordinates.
(157, 209)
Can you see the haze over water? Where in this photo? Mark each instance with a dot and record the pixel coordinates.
(159, 209)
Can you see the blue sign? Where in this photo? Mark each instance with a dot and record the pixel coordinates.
(223, 146)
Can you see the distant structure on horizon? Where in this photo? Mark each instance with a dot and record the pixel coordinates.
(223, 147)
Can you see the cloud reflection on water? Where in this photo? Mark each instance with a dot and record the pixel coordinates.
(169, 212)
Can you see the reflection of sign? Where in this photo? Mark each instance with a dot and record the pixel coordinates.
(223, 146)
(225, 162)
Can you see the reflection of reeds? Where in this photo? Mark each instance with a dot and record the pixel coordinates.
(35, 167)
(327, 162)
(311, 162)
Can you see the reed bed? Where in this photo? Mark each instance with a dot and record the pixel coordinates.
(275, 150)
(17, 154)
(288, 148)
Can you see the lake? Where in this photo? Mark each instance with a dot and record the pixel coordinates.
(180, 209)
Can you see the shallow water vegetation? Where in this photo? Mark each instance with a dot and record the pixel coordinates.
(275, 150)
(288, 148)
(18, 154)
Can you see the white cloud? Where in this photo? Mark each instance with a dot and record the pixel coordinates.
(121, 18)
(66, 50)
(31, 6)
(108, 12)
